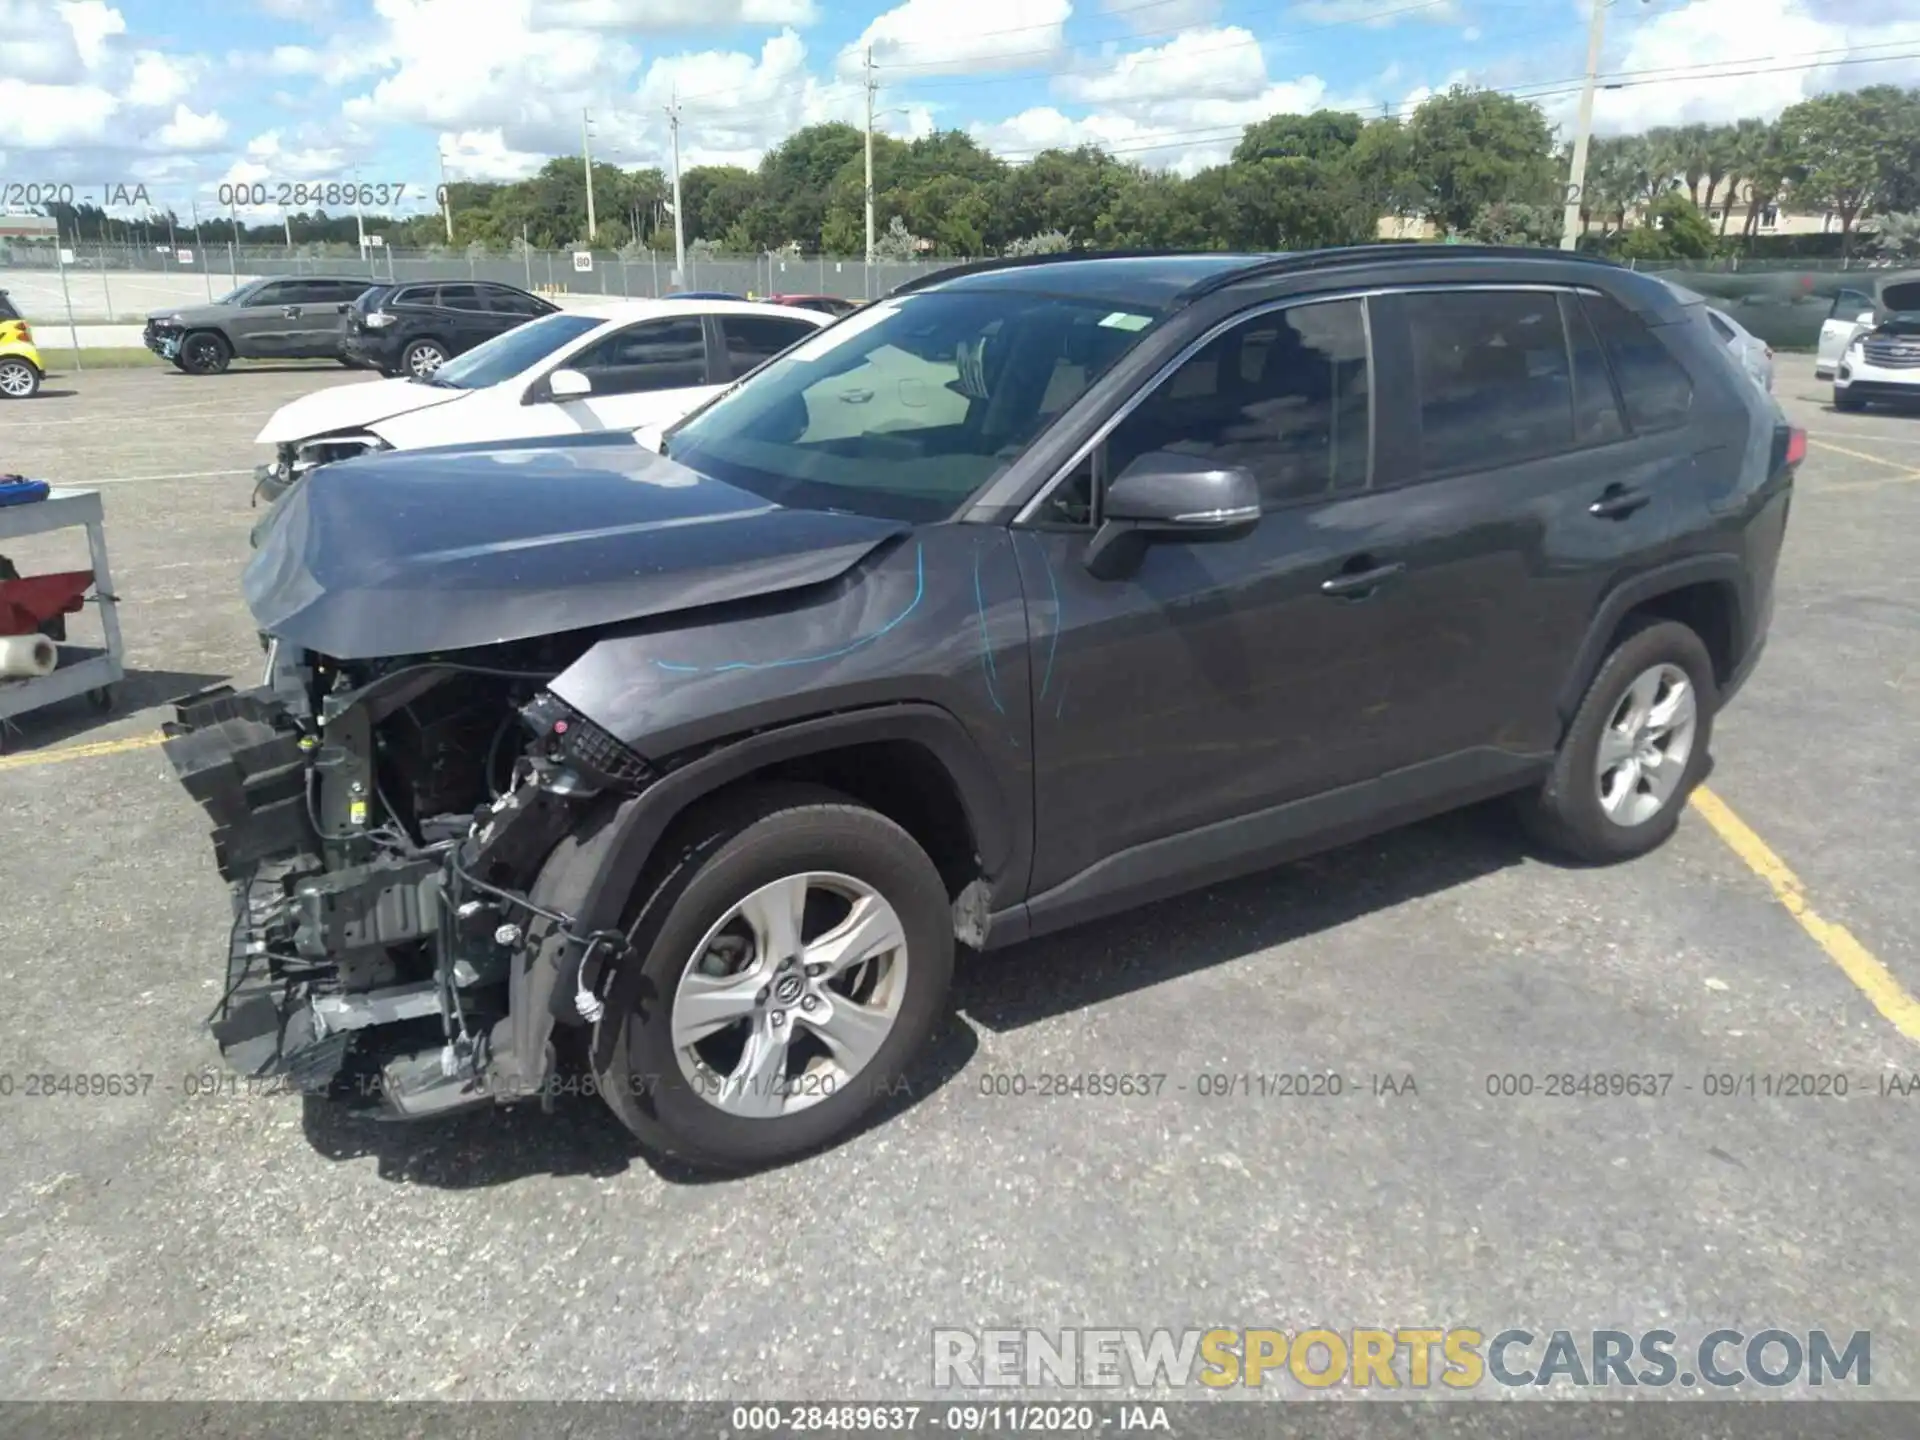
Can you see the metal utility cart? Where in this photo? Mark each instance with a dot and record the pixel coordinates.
(82, 669)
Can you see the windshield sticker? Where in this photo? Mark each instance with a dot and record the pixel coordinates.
(1124, 320)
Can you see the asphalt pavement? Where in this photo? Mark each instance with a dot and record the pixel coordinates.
(188, 1241)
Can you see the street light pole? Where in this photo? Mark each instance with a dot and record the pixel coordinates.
(586, 154)
(446, 198)
(872, 86)
(679, 220)
(1577, 176)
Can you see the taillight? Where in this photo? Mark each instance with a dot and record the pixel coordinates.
(1796, 446)
(26, 331)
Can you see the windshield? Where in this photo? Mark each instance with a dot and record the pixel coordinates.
(907, 408)
(506, 355)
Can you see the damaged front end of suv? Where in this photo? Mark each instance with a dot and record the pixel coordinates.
(429, 825)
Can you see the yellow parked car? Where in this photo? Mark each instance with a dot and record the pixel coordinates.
(21, 368)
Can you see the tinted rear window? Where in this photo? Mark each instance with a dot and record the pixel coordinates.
(754, 338)
(7, 312)
(1494, 382)
(1655, 387)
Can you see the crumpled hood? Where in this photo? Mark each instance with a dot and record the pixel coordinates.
(415, 551)
(345, 407)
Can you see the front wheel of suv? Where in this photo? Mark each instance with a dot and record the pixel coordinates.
(204, 352)
(1635, 750)
(790, 962)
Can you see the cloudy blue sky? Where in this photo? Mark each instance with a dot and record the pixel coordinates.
(182, 94)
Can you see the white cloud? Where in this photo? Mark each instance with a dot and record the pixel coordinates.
(53, 117)
(1376, 14)
(932, 37)
(160, 80)
(92, 23)
(1220, 63)
(1179, 105)
(1724, 33)
(190, 131)
(658, 15)
(485, 155)
(37, 44)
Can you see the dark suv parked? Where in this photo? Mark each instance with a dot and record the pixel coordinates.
(414, 329)
(284, 318)
(1054, 587)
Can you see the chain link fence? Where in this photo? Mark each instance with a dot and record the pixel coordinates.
(106, 283)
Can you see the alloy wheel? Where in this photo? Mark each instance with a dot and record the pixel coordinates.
(423, 360)
(17, 379)
(1646, 745)
(790, 995)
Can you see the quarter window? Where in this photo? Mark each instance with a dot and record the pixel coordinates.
(655, 355)
(1656, 388)
(512, 302)
(1493, 377)
(1283, 395)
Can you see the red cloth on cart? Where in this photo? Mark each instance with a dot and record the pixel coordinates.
(28, 603)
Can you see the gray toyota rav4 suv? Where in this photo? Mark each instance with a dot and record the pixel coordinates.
(1037, 590)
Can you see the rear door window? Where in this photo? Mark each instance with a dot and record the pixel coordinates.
(752, 339)
(461, 297)
(1596, 407)
(511, 302)
(1493, 376)
(1655, 387)
(7, 312)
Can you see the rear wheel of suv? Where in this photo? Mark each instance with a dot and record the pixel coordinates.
(422, 358)
(19, 380)
(1635, 751)
(792, 956)
(204, 352)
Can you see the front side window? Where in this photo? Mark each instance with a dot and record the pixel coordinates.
(1283, 395)
(276, 292)
(1656, 388)
(909, 407)
(654, 355)
(507, 355)
(1492, 377)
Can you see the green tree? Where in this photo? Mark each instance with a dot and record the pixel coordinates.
(795, 177)
(1673, 229)
(1327, 135)
(1470, 148)
(715, 198)
(1831, 142)
(1515, 223)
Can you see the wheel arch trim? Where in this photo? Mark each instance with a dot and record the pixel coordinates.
(1720, 568)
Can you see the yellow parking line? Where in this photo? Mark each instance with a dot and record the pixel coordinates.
(81, 752)
(1906, 471)
(1859, 964)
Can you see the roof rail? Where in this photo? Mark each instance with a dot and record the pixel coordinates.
(1057, 257)
(1389, 250)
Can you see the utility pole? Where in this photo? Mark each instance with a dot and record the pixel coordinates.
(359, 218)
(446, 197)
(586, 154)
(1577, 176)
(286, 222)
(871, 86)
(679, 222)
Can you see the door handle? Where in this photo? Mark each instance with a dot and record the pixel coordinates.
(1617, 502)
(1359, 584)
(292, 312)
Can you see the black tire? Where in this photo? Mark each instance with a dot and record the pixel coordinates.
(1566, 814)
(418, 351)
(716, 858)
(1843, 401)
(19, 378)
(205, 352)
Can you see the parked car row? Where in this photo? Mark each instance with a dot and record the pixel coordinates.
(396, 328)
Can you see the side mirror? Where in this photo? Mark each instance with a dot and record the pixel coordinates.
(1166, 496)
(1865, 318)
(568, 385)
